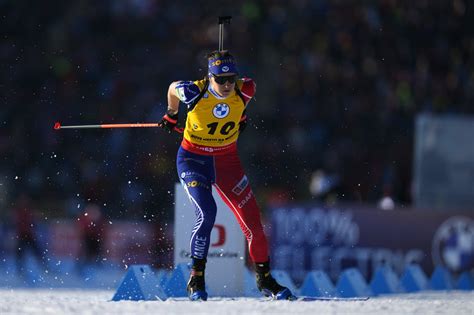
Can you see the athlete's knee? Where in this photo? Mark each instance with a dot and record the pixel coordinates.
(208, 222)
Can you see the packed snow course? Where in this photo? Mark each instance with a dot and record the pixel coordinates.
(86, 301)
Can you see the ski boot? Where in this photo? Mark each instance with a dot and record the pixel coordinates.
(269, 286)
(196, 285)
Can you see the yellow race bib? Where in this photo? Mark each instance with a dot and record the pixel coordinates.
(214, 122)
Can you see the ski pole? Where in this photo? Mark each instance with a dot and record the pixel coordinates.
(222, 20)
(58, 126)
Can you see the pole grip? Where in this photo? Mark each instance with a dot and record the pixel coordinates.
(225, 19)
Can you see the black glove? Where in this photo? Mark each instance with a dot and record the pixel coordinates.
(243, 123)
(169, 121)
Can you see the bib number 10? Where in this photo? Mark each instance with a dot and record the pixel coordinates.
(224, 130)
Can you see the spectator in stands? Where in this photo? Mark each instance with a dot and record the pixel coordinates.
(358, 72)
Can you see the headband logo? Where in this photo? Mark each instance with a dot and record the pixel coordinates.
(218, 62)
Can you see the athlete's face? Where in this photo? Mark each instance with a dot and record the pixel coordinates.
(223, 84)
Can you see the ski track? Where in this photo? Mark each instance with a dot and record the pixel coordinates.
(61, 301)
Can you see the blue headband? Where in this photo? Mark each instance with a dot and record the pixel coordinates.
(222, 65)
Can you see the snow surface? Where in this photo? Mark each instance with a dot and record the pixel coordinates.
(67, 301)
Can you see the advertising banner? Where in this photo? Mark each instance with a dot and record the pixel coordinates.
(123, 243)
(226, 258)
(333, 239)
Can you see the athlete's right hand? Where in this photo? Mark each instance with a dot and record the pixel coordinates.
(169, 121)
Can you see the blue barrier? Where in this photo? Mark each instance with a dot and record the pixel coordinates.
(177, 281)
(318, 284)
(352, 284)
(414, 279)
(465, 281)
(139, 283)
(163, 276)
(441, 279)
(385, 281)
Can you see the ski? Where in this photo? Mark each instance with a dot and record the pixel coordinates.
(297, 299)
(322, 298)
(319, 298)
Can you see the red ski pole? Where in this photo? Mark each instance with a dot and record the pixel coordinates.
(58, 126)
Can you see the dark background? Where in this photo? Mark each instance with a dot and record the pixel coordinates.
(339, 84)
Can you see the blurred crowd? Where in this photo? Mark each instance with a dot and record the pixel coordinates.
(339, 84)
